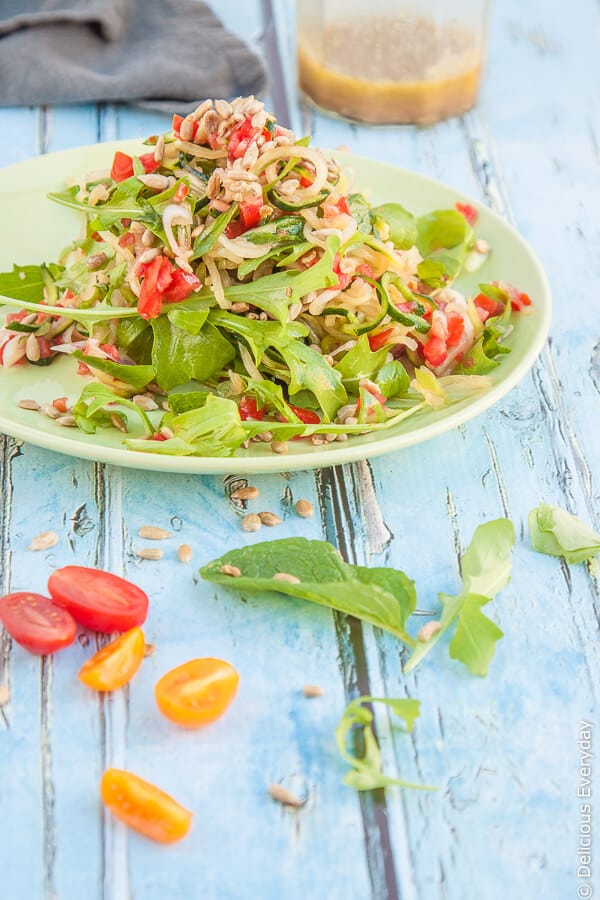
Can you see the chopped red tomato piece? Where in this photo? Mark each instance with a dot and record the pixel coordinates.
(456, 328)
(249, 409)
(234, 229)
(435, 351)
(343, 278)
(122, 167)
(240, 137)
(518, 299)
(250, 214)
(60, 403)
(176, 124)
(334, 209)
(126, 239)
(82, 368)
(468, 211)
(307, 180)
(181, 285)
(44, 345)
(308, 416)
(365, 270)
(181, 192)
(149, 163)
(379, 340)
(487, 306)
(162, 281)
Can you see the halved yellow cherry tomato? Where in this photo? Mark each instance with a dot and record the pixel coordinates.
(144, 807)
(116, 664)
(198, 692)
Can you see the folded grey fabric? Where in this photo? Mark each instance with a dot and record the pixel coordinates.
(163, 54)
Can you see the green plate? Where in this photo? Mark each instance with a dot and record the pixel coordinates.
(36, 230)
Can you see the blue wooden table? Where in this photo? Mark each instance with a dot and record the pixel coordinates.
(503, 750)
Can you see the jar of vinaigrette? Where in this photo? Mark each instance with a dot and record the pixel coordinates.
(390, 61)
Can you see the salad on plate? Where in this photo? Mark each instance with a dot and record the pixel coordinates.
(229, 285)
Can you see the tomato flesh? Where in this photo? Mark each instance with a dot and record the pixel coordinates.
(197, 692)
(144, 807)
(379, 340)
(468, 211)
(435, 351)
(114, 665)
(98, 600)
(308, 416)
(122, 167)
(249, 409)
(35, 623)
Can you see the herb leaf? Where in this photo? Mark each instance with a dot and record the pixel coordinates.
(27, 282)
(383, 597)
(486, 568)
(366, 774)
(556, 532)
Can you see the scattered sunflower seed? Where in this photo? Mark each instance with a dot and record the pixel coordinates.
(149, 553)
(29, 404)
(152, 533)
(245, 493)
(285, 576)
(285, 797)
(313, 690)
(305, 508)
(32, 348)
(251, 522)
(96, 260)
(230, 570)
(118, 422)
(149, 650)
(50, 411)
(144, 402)
(270, 519)
(279, 447)
(428, 630)
(4, 695)
(68, 421)
(184, 553)
(44, 541)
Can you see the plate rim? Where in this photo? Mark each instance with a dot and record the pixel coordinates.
(343, 453)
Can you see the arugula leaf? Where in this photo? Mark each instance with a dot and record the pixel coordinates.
(383, 597)
(136, 376)
(485, 570)
(393, 379)
(258, 335)
(366, 774)
(179, 357)
(122, 204)
(209, 237)
(89, 411)
(556, 532)
(281, 254)
(361, 211)
(401, 223)
(360, 362)
(27, 282)
(213, 429)
(275, 293)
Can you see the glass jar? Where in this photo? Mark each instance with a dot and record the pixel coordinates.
(390, 61)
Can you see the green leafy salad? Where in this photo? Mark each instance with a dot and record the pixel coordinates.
(231, 287)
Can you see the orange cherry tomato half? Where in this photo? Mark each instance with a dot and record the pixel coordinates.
(144, 807)
(116, 664)
(198, 692)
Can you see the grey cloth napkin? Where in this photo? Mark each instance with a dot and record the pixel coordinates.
(162, 54)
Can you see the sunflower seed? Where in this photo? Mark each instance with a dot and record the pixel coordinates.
(245, 493)
(143, 402)
(184, 553)
(251, 522)
(4, 695)
(285, 576)
(96, 261)
(285, 797)
(428, 630)
(149, 650)
(154, 182)
(270, 519)
(44, 541)
(28, 404)
(67, 421)
(279, 447)
(305, 508)
(32, 348)
(152, 533)
(312, 690)
(233, 571)
(186, 129)
(159, 149)
(148, 255)
(119, 422)
(149, 553)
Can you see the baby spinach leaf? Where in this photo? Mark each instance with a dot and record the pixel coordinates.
(401, 223)
(393, 379)
(443, 238)
(556, 532)
(383, 597)
(485, 569)
(366, 773)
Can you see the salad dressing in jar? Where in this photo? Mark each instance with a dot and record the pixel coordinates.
(389, 66)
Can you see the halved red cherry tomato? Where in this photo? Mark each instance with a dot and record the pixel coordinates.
(379, 340)
(196, 693)
(468, 211)
(36, 623)
(98, 600)
(306, 415)
(144, 807)
(116, 664)
(249, 409)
